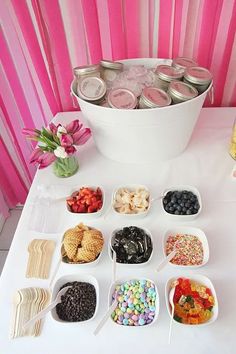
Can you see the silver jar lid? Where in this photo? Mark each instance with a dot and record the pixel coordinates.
(122, 98)
(182, 91)
(91, 88)
(198, 75)
(154, 97)
(86, 69)
(168, 73)
(182, 63)
(108, 64)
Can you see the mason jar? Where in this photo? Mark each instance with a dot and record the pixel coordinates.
(152, 97)
(180, 91)
(87, 70)
(110, 70)
(182, 63)
(165, 74)
(91, 89)
(122, 98)
(198, 77)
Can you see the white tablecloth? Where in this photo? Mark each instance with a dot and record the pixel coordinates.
(205, 164)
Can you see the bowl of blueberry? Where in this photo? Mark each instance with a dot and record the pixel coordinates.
(182, 202)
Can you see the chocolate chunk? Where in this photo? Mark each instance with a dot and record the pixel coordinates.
(132, 245)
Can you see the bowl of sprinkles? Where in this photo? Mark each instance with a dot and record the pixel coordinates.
(195, 301)
(191, 246)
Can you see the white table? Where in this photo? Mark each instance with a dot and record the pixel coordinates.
(205, 164)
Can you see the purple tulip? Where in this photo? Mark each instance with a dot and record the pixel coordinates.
(74, 126)
(35, 155)
(66, 140)
(81, 136)
(70, 150)
(46, 159)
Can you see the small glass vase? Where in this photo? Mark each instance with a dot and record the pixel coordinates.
(65, 167)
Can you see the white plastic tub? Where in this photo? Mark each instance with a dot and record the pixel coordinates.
(142, 135)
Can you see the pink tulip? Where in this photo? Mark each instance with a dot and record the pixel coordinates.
(74, 126)
(35, 155)
(81, 136)
(53, 128)
(46, 159)
(31, 133)
(70, 150)
(66, 140)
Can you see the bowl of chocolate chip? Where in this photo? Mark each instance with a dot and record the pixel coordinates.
(133, 246)
(80, 302)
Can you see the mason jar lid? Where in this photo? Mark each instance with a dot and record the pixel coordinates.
(91, 88)
(122, 98)
(86, 69)
(181, 63)
(155, 97)
(182, 91)
(108, 64)
(168, 73)
(198, 75)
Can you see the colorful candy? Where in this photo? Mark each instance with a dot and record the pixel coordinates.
(139, 309)
(189, 249)
(194, 302)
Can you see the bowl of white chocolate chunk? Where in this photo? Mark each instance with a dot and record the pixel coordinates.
(131, 200)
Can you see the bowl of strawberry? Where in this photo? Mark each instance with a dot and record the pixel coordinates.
(87, 201)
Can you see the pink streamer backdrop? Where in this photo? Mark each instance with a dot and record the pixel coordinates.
(41, 41)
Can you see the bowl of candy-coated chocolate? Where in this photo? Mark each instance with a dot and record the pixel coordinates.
(133, 246)
(137, 302)
(80, 302)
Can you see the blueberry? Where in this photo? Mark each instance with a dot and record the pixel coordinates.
(175, 206)
(171, 208)
(196, 206)
(177, 212)
(165, 201)
(179, 208)
(189, 212)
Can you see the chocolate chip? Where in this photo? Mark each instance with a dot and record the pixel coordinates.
(79, 302)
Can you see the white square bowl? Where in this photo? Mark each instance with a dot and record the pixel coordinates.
(131, 265)
(87, 216)
(183, 217)
(123, 280)
(131, 187)
(202, 279)
(189, 231)
(71, 278)
(83, 265)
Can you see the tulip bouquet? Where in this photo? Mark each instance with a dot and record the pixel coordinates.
(57, 143)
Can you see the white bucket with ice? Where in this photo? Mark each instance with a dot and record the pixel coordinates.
(142, 135)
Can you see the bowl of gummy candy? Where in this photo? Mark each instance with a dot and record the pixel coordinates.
(137, 302)
(132, 133)
(195, 301)
(182, 202)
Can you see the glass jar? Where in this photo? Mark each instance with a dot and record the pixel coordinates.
(65, 167)
(232, 147)
(182, 63)
(198, 77)
(110, 70)
(165, 74)
(152, 97)
(86, 70)
(92, 89)
(180, 91)
(122, 98)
